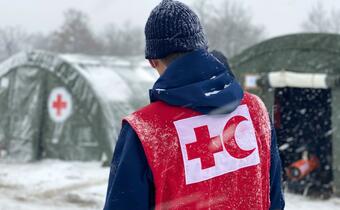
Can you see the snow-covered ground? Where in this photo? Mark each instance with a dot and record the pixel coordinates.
(55, 185)
(52, 185)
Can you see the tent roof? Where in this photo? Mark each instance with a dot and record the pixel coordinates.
(318, 53)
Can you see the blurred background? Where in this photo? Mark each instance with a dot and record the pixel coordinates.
(70, 70)
(107, 27)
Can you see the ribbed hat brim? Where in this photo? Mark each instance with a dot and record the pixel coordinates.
(155, 47)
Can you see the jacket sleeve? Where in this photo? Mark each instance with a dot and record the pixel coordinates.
(130, 183)
(276, 194)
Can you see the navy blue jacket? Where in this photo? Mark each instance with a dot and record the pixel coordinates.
(197, 81)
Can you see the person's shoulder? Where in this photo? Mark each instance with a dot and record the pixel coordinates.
(253, 99)
(251, 96)
(256, 106)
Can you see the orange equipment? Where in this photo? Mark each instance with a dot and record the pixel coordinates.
(302, 168)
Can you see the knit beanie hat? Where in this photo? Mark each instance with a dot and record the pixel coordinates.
(173, 27)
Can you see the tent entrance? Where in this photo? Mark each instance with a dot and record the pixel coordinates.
(302, 120)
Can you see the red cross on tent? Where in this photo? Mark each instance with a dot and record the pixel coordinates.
(205, 147)
(59, 104)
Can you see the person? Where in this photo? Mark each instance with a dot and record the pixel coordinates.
(202, 143)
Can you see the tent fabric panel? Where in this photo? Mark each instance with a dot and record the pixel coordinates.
(4, 91)
(24, 109)
(115, 102)
(91, 104)
(290, 60)
(313, 53)
(324, 43)
(72, 139)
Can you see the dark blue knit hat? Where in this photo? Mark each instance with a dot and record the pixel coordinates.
(173, 27)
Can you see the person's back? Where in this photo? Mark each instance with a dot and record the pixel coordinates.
(202, 143)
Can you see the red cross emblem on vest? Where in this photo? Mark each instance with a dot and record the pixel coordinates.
(217, 144)
(205, 147)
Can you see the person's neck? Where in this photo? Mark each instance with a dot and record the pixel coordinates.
(161, 71)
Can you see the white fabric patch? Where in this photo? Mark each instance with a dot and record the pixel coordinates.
(221, 161)
(298, 80)
(4, 82)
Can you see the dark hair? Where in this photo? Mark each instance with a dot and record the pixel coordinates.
(170, 58)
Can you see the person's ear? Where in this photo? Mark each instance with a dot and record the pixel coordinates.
(158, 65)
(154, 63)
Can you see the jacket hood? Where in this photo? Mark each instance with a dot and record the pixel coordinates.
(200, 82)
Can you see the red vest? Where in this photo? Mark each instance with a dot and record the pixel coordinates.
(207, 161)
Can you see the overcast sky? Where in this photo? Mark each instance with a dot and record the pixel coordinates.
(277, 16)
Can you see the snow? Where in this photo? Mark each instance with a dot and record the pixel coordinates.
(107, 83)
(297, 202)
(159, 90)
(55, 185)
(52, 185)
(212, 92)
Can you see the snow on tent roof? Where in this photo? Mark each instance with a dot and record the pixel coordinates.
(104, 90)
(107, 83)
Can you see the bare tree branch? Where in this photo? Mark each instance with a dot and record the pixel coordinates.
(228, 26)
(12, 40)
(322, 21)
(127, 41)
(75, 35)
